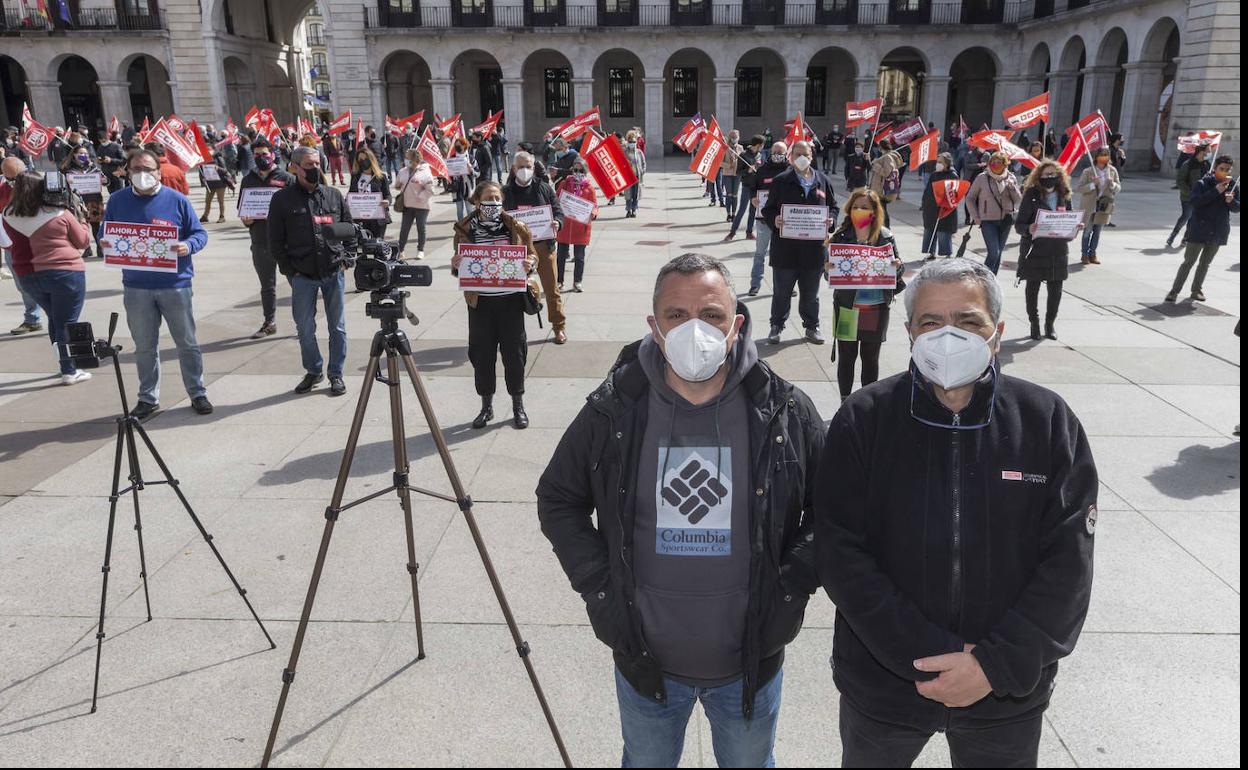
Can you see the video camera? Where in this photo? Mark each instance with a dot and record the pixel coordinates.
(58, 194)
(84, 349)
(376, 262)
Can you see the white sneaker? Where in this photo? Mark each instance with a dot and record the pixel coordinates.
(75, 378)
(420, 255)
(5, 274)
(578, 288)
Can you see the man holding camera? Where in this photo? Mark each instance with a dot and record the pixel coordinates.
(151, 297)
(267, 174)
(298, 216)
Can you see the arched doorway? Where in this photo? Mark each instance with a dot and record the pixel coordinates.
(150, 96)
(1161, 46)
(1111, 76)
(13, 93)
(760, 98)
(972, 86)
(901, 83)
(688, 89)
(830, 80)
(1038, 68)
(406, 76)
(618, 89)
(549, 98)
(240, 88)
(1074, 60)
(80, 94)
(478, 86)
(281, 92)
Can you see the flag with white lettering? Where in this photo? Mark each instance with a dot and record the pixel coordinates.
(710, 155)
(489, 125)
(580, 124)
(432, 155)
(949, 194)
(1189, 142)
(857, 113)
(1028, 113)
(909, 131)
(609, 167)
(341, 124)
(924, 150)
(1095, 129)
(1075, 149)
(35, 138)
(999, 141)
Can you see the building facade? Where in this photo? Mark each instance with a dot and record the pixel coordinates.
(1154, 67)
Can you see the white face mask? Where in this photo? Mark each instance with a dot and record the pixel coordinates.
(695, 350)
(941, 167)
(801, 163)
(524, 175)
(144, 182)
(951, 357)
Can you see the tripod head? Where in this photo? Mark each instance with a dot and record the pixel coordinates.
(87, 352)
(388, 305)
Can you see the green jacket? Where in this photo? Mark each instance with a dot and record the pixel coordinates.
(1189, 174)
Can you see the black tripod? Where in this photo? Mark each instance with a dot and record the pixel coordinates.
(387, 306)
(128, 427)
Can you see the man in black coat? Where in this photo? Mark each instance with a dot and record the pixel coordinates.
(1213, 199)
(527, 188)
(697, 568)
(798, 261)
(482, 156)
(773, 165)
(266, 175)
(954, 532)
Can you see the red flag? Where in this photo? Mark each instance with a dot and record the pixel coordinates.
(114, 126)
(924, 150)
(432, 155)
(689, 134)
(252, 115)
(359, 131)
(196, 138)
(35, 138)
(610, 167)
(999, 140)
(490, 125)
(267, 127)
(989, 140)
(392, 127)
(709, 156)
(883, 132)
(857, 113)
(450, 124)
(230, 126)
(341, 123)
(179, 151)
(414, 120)
(949, 194)
(1189, 142)
(27, 116)
(797, 130)
(143, 129)
(909, 131)
(176, 123)
(306, 127)
(1075, 149)
(1095, 129)
(1028, 113)
(580, 124)
(590, 142)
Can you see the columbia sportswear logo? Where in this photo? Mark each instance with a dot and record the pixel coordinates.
(1031, 478)
(693, 490)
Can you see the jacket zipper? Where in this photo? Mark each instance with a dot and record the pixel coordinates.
(955, 593)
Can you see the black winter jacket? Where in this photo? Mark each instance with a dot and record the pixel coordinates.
(594, 469)
(929, 538)
(931, 209)
(790, 253)
(296, 239)
(1047, 258)
(1211, 214)
(259, 228)
(538, 192)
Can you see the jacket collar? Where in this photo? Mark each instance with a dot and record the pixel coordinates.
(927, 408)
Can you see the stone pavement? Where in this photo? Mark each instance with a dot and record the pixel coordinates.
(1155, 679)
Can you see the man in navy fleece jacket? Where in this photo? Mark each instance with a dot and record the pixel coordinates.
(153, 296)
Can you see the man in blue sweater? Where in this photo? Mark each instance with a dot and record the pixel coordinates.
(153, 296)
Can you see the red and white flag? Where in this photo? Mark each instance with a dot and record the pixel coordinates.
(252, 115)
(35, 137)
(989, 139)
(949, 194)
(432, 155)
(1095, 130)
(180, 152)
(710, 155)
(907, 132)
(196, 139)
(448, 125)
(392, 126)
(689, 134)
(176, 123)
(359, 131)
(306, 127)
(579, 125)
(609, 167)
(857, 113)
(1028, 113)
(267, 127)
(341, 124)
(489, 125)
(924, 150)
(999, 140)
(413, 120)
(27, 116)
(114, 126)
(1189, 142)
(1075, 149)
(797, 130)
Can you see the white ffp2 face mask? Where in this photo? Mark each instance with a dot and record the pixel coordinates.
(951, 357)
(801, 163)
(144, 181)
(695, 350)
(524, 175)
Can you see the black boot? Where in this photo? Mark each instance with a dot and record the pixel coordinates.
(1049, 331)
(519, 417)
(1035, 329)
(487, 413)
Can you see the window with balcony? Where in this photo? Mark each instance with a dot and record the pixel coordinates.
(320, 62)
(764, 12)
(749, 92)
(399, 13)
(316, 34)
(490, 81)
(558, 92)
(322, 90)
(836, 11)
(816, 91)
(690, 12)
(472, 13)
(544, 13)
(684, 92)
(983, 11)
(620, 93)
(910, 12)
(617, 13)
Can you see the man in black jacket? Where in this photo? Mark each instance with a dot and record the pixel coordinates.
(954, 532)
(483, 157)
(112, 160)
(266, 175)
(527, 188)
(773, 166)
(798, 261)
(748, 163)
(297, 217)
(698, 571)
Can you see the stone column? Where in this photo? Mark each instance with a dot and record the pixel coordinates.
(45, 102)
(936, 101)
(115, 98)
(513, 111)
(794, 96)
(443, 96)
(655, 140)
(1098, 90)
(582, 94)
(1140, 96)
(1062, 97)
(866, 87)
(377, 88)
(726, 102)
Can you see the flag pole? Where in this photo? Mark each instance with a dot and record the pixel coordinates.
(874, 126)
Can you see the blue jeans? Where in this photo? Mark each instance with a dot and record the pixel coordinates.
(995, 237)
(1185, 213)
(760, 254)
(1091, 238)
(462, 209)
(631, 196)
(731, 185)
(808, 283)
(942, 243)
(30, 308)
(746, 201)
(60, 293)
(303, 291)
(145, 308)
(654, 733)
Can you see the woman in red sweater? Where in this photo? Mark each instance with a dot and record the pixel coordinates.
(48, 242)
(575, 234)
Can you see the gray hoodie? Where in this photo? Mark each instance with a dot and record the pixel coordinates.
(692, 531)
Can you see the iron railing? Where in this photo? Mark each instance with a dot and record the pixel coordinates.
(85, 20)
(983, 11)
(620, 13)
(695, 14)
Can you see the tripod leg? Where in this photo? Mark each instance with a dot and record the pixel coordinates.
(465, 505)
(177, 490)
(108, 555)
(399, 440)
(136, 484)
(331, 516)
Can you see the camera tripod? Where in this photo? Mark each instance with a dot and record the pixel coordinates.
(128, 426)
(388, 307)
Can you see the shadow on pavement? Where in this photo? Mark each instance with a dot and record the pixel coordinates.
(1199, 471)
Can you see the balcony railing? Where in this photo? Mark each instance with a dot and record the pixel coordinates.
(550, 15)
(874, 13)
(983, 11)
(836, 12)
(654, 14)
(762, 12)
(317, 40)
(384, 18)
(477, 16)
(618, 13)
(86, 20)
(947, 12)
(1044, 9)
(690, 14)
